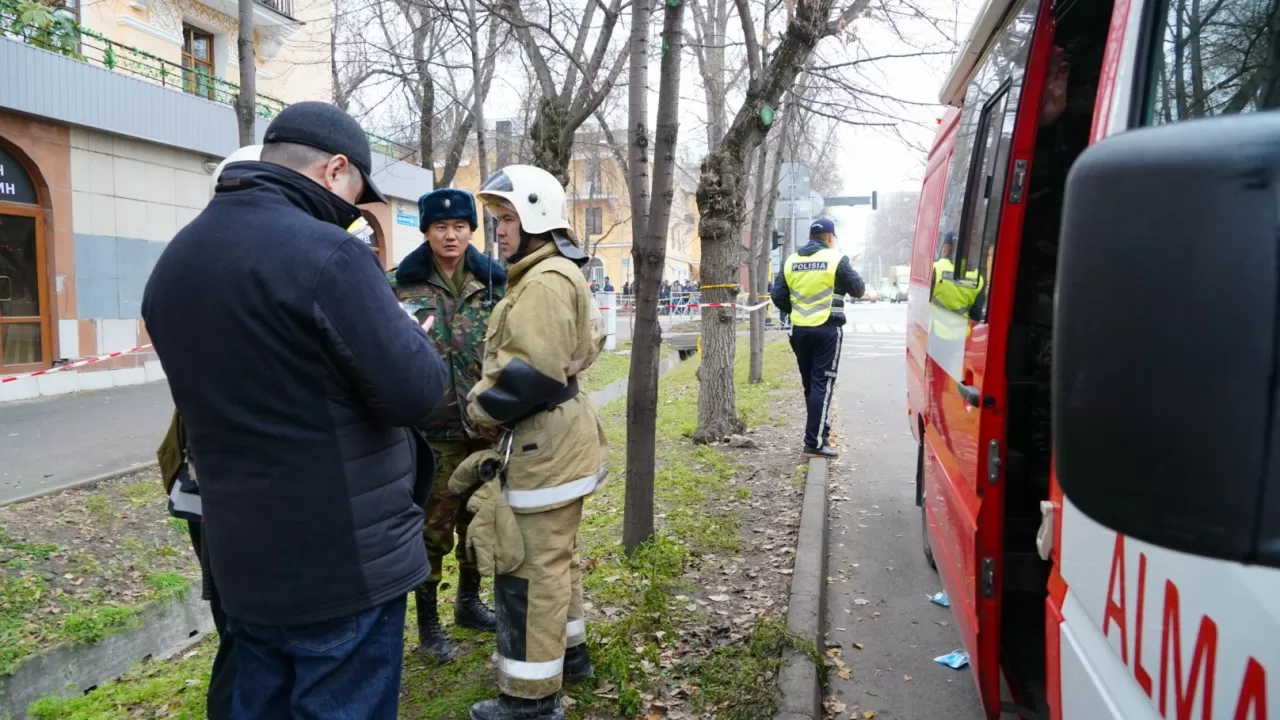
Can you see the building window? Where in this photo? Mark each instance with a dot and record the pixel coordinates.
(595, 221)
(197, 61)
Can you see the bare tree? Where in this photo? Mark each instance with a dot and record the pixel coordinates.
(709, 41)
(349, 64)
(650, 216)
(722, 194)
(563, 107)
(891, 231)
(247, 98)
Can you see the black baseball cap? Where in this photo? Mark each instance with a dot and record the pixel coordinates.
(326, 127)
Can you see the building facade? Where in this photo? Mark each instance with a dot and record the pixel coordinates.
(112, 119)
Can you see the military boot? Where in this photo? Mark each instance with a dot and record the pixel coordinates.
(433, 643)
(577, 664)
(506, 707)
(468, 610)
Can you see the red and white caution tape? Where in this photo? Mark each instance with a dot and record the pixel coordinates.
(748, 308)
(71, 366)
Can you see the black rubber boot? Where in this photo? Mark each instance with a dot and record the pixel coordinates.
(506, 707)
(577, 664)
(468, 610)
(433, 643)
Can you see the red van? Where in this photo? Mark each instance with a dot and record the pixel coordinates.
(1108, 555)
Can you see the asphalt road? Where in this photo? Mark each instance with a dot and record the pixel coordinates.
(53, 442)
(874, 550)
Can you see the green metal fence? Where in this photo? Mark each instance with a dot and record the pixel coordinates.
(44, 27)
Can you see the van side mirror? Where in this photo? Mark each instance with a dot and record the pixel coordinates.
(1166, 415)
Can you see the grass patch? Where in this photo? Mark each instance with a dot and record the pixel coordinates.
(70, 576)
(735, 682)
(611, 367)
(644, 611)
(168, 585)
(173, 689)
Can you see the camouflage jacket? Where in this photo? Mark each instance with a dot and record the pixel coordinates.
(459, 330)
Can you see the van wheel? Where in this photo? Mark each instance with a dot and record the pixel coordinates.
(924, 521)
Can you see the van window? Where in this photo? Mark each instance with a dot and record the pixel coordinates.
(1212, 58)
(986, 187)
(976, 182)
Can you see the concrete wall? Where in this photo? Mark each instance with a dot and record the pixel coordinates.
(129, 199)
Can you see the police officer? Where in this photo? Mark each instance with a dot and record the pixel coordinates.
(811, 289)
(957, 299)
(448, 278)
(542, 334)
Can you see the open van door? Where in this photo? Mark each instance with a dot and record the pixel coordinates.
(971, 297)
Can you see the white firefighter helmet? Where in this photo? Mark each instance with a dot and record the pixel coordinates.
(540, 202)
(248, 153)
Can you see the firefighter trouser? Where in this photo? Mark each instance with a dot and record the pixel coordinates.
(446, 511)
(539, 606)
(817, 352)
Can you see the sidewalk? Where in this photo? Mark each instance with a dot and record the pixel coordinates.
(54, 442)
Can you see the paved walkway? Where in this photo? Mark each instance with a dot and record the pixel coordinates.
(879, 584)
(54, 442)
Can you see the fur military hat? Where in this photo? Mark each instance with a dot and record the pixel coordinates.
(446, 204)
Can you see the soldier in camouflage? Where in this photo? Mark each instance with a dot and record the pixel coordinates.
(448, 278)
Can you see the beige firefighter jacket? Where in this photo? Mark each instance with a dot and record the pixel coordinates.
(494, 541)
(541, 335)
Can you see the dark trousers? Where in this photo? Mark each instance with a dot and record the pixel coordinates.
(817, 352)
(347, 668)
(222, 679)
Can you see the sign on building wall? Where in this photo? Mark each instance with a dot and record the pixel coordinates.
(15, 184)
(403, 217)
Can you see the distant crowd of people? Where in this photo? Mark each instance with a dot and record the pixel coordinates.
(667, 290)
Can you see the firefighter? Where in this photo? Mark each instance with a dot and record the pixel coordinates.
(542, 334)
(811, 289)
(448, 278)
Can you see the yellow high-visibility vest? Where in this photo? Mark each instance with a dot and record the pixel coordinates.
(954, 298)
(812, 281)
(947, 294)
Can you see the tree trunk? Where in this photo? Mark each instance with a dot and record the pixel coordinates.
(758, 234)
(248, 95)
(651, 213)
(549, 153)
(722, 191)
(477, 112)
(426, 134)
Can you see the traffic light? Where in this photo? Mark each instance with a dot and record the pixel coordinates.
(776, 241)
(873, 199)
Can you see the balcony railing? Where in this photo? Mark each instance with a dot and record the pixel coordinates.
(284, 7)
(41, 26)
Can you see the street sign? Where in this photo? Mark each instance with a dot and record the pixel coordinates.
(794, 182)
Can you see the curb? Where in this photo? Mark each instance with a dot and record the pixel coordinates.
(162, 629)
(799, 682)
(103, 477)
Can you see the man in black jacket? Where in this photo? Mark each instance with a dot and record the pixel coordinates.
(811, 289)
(297, 373)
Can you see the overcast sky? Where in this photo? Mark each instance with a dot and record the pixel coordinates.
(869, 158)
